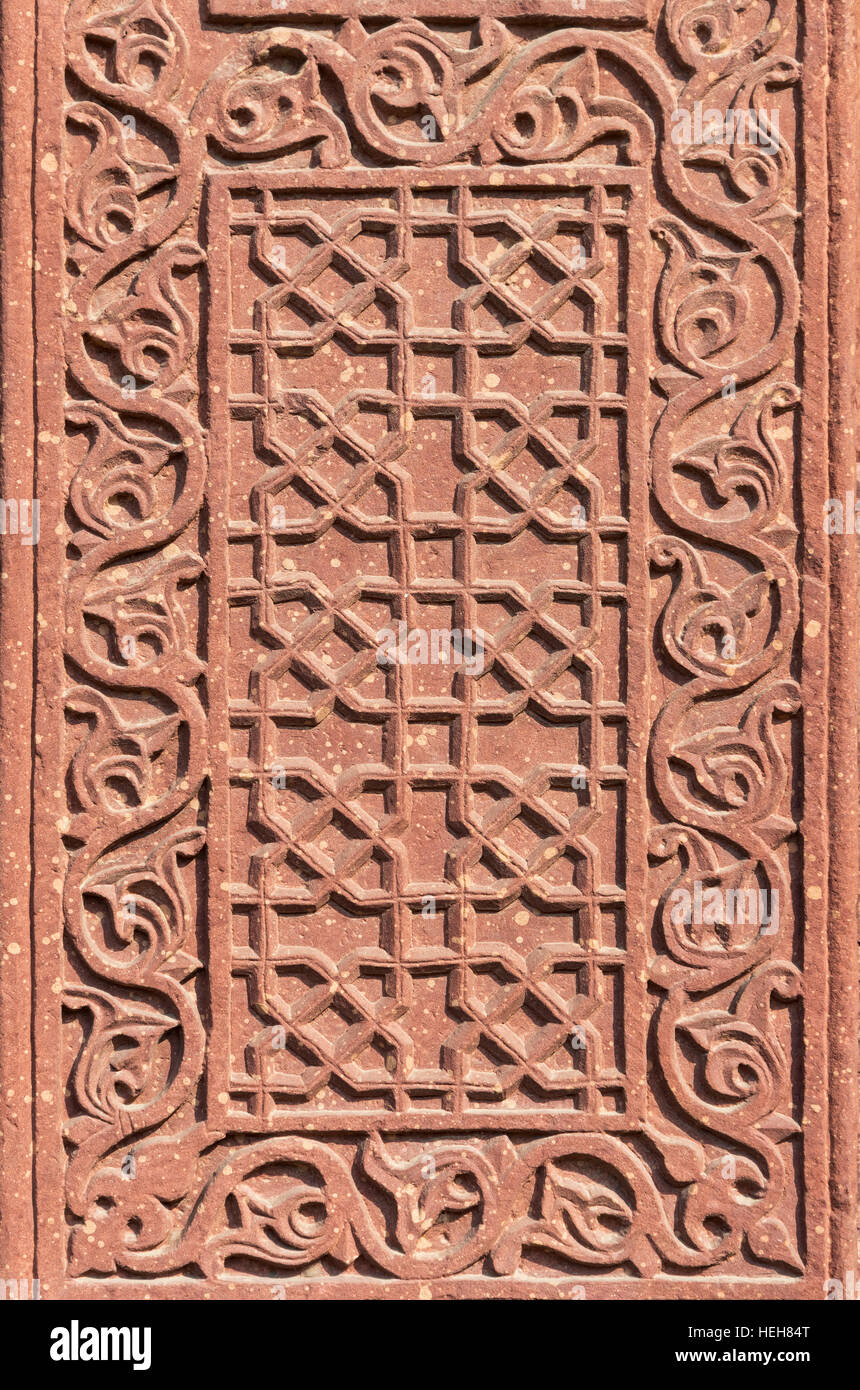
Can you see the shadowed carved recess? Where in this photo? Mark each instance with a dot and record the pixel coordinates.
(153, 1191)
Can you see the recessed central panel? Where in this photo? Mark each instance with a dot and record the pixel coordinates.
(421, 492)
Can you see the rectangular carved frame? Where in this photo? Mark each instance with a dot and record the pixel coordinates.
(156, 1206)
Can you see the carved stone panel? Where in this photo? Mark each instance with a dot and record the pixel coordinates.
(427, 423)
(434, 874)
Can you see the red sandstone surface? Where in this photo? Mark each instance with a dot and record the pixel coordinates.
(428, 649)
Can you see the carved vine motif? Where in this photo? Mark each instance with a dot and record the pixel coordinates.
(295, 1201)
(429, 87)
(721, 784)
(194, 1199)
(141, 762)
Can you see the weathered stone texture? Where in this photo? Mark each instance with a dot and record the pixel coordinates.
(360, 963)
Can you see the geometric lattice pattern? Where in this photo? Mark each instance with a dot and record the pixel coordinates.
(428, 416)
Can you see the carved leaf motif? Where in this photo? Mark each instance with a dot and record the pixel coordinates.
(592, 1212)
(118, 1063)
(104, 195)
(148, 48)
(703, 305)
(150, 328)
(291, 1226)
(423, 1198)
(272, 114)
(769, 1241)
(113, 768)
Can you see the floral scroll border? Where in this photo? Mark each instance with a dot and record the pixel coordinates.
(149, 1190)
